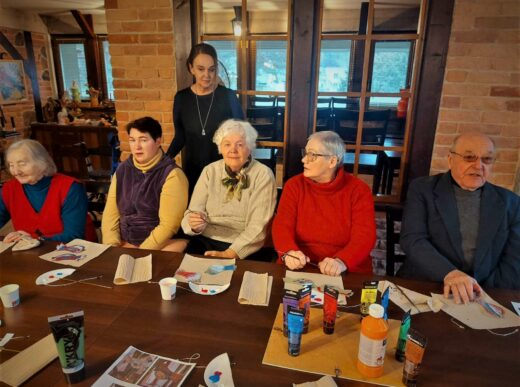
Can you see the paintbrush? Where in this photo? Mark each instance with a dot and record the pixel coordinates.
(309, 262)
(406, 296)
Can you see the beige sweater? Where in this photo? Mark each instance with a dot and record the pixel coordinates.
(242, 223)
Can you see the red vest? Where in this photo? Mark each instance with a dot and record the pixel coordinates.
(48, 221)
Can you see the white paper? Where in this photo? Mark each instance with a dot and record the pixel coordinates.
(91, 251)
(516, 305)
(131, 270)
(218, 372)
(255, 289)
(4, 246)
(200, 265)
(325, 381)
(474, 314)
(319, 280)
(422, 302)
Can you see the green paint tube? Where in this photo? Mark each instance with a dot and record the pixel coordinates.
(401, 340)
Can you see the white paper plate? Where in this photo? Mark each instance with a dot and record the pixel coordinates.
(53, 275)
(218, 372)
(208, 290)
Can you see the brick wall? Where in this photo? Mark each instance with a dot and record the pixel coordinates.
(24, 112)
(142, 49)
(481, 88)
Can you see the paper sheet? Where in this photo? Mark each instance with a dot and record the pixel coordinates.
(131, 270)
(25, 364)
(422, 302)
(516, 305)
(200, 265)
(90, 251)
(319, 280)
(4, 246)
(475, 316)
(326, 381)
(255, 289)
(323, 354)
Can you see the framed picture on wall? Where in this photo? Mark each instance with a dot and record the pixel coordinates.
(12, 82)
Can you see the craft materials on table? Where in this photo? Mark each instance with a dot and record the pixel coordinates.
(135, 367)
(4, 246)
(28, 362)
(516, 306)
(131, 270)
(318, 285)
(75, 253)
(53, 276)
(26, 243)
(325, 381)
(485, 313)
(255, 289)
(193, 270)
(218, 372)
(408, 300)
(334, 355)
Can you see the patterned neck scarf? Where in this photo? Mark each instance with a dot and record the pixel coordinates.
(235, 182)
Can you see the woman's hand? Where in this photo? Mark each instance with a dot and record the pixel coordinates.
(462, 286)
(332, 266)
(229, 253)
(198, 221)
(295, 260)
(15, 236)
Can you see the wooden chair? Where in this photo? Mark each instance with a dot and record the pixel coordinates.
(97, 191)
(263, 120)
(394, 214)
(69, 152)
(374, 125)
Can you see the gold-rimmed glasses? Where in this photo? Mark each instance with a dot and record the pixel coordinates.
(471, 158)
(312, 156)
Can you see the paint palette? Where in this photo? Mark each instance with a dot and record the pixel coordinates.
(207, 290)
(218, 372)
(53, 276)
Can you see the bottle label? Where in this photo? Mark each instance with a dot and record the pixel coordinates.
(371, 352)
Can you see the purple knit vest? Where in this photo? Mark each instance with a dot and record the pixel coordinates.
(138, 198)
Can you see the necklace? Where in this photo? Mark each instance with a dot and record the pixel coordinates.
(207, 115)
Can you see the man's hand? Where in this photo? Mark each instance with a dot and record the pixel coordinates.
(198, 221)
(15, 236)
(332, 266)
(295, 260)
(462, 286)
(229, 253)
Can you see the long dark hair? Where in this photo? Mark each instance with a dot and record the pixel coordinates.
(201, 48)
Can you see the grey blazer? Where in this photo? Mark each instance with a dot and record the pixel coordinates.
(431, 239)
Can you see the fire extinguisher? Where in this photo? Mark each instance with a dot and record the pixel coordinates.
(402, 105)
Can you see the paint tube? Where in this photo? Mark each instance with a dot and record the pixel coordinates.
(330, 308)
(368, 296)
(295, 318)
(304, 304)
(290, 298)
(403, 332)
(415, 345)
(385, 298)
(68, 332)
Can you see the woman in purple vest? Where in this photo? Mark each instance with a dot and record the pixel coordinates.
(234, 199)
(148, 194)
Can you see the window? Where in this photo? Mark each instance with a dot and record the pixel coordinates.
(74, 67)
(108, 71)
(227, 57)
(334, 65)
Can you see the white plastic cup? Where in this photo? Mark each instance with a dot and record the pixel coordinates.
(168, 288)
(10, 295)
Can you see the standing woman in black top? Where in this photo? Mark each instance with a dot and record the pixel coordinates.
(198, 111)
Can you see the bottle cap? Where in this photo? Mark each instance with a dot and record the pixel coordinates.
(376, 311)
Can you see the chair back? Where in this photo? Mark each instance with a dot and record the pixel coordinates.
(394, 214)
(375, 123)
(263, 120)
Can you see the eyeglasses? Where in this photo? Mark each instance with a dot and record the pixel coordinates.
(312, 156)
(472, 158)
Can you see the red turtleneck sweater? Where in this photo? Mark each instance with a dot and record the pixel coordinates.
(333, 219)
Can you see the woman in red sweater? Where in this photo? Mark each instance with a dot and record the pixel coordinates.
(325, 216)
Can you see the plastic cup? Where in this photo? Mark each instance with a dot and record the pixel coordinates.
(168, 288)
(10, 295)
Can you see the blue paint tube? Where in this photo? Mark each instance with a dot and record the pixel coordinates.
(385, 298)
(401, 340)
(291, 298)
(68, 332)
(295, 319)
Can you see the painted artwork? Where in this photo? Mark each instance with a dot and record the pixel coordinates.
(12, 82)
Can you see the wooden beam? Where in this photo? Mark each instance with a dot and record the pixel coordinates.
(85, 23)
(9, 47)
(183, 41)
(30, 68)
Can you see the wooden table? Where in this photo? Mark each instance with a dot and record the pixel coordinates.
(210, 325)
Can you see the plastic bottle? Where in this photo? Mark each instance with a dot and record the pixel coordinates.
(372, 343)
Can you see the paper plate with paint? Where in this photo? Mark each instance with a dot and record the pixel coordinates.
(53, 275)
(218, 372)
(207, 290)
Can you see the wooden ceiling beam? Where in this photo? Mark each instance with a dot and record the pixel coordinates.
(85, 23)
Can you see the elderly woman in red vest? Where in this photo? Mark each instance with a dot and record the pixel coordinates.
(40, 202)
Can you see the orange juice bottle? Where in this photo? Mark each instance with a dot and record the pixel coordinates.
(372, 343)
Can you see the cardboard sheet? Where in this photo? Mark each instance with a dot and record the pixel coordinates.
(322, 354)
(90, 250)
(25, 364)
